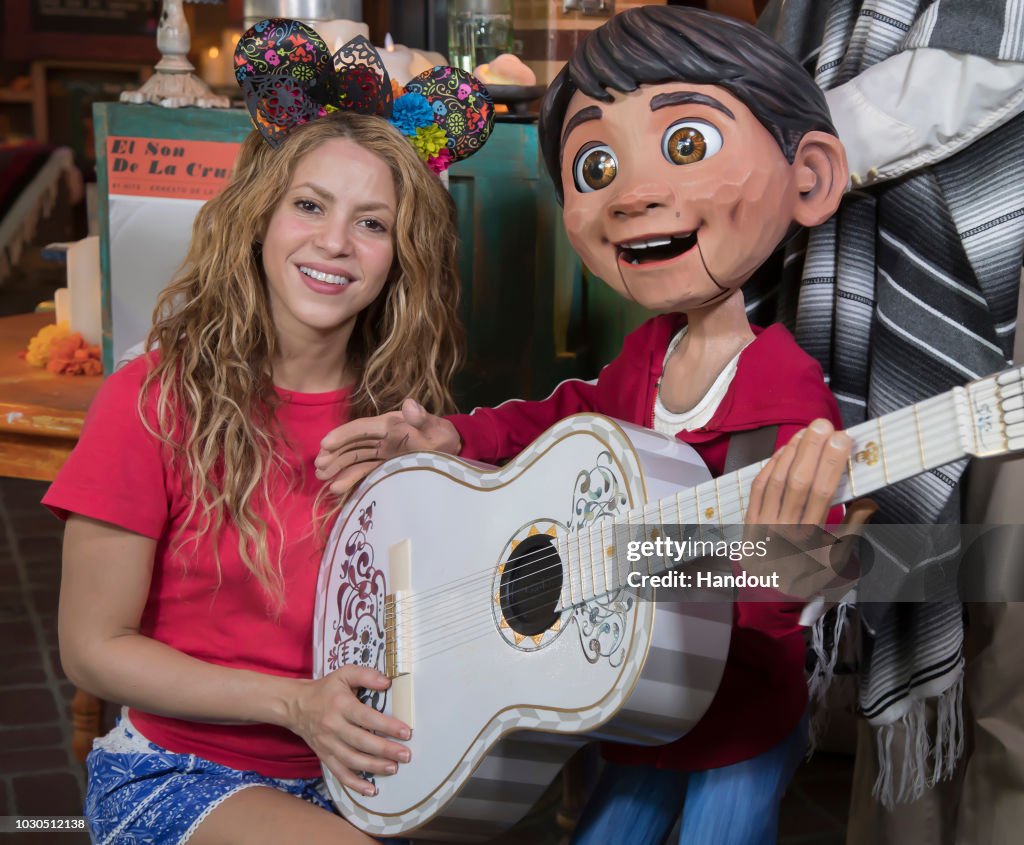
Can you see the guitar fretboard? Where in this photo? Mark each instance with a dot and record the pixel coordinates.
(984, 418)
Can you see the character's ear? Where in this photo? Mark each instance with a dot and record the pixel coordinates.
(821, 176)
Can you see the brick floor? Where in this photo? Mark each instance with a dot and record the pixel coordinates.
(38, 775)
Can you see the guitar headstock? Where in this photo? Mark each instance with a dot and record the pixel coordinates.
(991, 414)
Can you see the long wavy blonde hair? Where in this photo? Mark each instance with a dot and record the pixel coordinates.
(213, 378)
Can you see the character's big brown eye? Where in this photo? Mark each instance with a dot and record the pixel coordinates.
(690, 141)
(594, 168)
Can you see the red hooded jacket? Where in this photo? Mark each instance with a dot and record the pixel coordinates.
(763, 694)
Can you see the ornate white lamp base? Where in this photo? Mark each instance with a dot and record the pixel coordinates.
(174, 85)
(176, 90)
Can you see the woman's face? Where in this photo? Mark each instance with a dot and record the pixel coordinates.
(329, 247)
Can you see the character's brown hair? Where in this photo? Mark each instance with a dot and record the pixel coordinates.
(650, 45)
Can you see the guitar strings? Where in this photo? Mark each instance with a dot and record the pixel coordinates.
(481, 623)
(456, 589)
(727, 498)
(486, 615)
(458, 596)
(488, 627)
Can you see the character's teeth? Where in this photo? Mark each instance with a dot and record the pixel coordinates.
(324, 277)
(662, 248)
(648, 244)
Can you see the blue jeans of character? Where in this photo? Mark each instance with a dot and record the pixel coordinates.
(733, 805)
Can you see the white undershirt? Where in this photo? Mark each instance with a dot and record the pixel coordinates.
(671, 423)
(700, 414)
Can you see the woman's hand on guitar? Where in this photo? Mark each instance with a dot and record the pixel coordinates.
(797, 484)
(350, 452)
(343, 732)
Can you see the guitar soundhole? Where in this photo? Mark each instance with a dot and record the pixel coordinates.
(531, 585)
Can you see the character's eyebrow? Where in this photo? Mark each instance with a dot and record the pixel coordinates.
(582, 116)
(683, 98)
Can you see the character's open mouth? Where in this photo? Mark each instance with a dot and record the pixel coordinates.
(657, 248)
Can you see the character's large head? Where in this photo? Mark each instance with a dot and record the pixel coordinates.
(684, 146)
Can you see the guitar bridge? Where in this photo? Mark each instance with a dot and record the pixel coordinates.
(395, 655)
(390, 637)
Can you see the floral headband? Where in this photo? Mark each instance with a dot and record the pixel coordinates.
(288, 78)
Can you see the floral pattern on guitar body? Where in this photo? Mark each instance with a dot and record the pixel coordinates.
(601, 622)
(359, 629)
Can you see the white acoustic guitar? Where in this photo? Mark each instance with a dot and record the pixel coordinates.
(497, 599)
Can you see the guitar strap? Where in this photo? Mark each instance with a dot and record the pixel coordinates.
(748, 447)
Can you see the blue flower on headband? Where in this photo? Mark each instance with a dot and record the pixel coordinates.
(410, 112)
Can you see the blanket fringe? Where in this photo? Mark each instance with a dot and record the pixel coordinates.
(825, 664)
(949, 734)
(924, 763)
(824, 670)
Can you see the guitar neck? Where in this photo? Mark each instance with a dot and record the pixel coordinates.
(982, 419)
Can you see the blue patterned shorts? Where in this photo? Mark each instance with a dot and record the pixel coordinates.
(141, 793)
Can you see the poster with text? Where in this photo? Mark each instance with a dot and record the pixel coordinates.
(156, 187)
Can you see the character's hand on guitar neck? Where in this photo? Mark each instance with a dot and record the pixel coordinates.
(789, 498)
(347, 735)
(797, 484)
(350, 452)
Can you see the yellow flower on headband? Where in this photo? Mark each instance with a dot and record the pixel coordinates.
(429, 141)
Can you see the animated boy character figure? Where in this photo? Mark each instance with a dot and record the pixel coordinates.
(685, 147)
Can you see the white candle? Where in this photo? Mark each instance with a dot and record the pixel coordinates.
(435, 59)
(339, 32)
(213, 67)
(62, 305)
(418, 63)
(396, 59)
(84, 288)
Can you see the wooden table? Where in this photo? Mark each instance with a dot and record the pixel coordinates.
(41, 416)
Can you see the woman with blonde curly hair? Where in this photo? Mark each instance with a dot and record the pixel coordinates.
(319, 286)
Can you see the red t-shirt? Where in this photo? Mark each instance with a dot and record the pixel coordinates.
(118, 474)
(762, 694)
